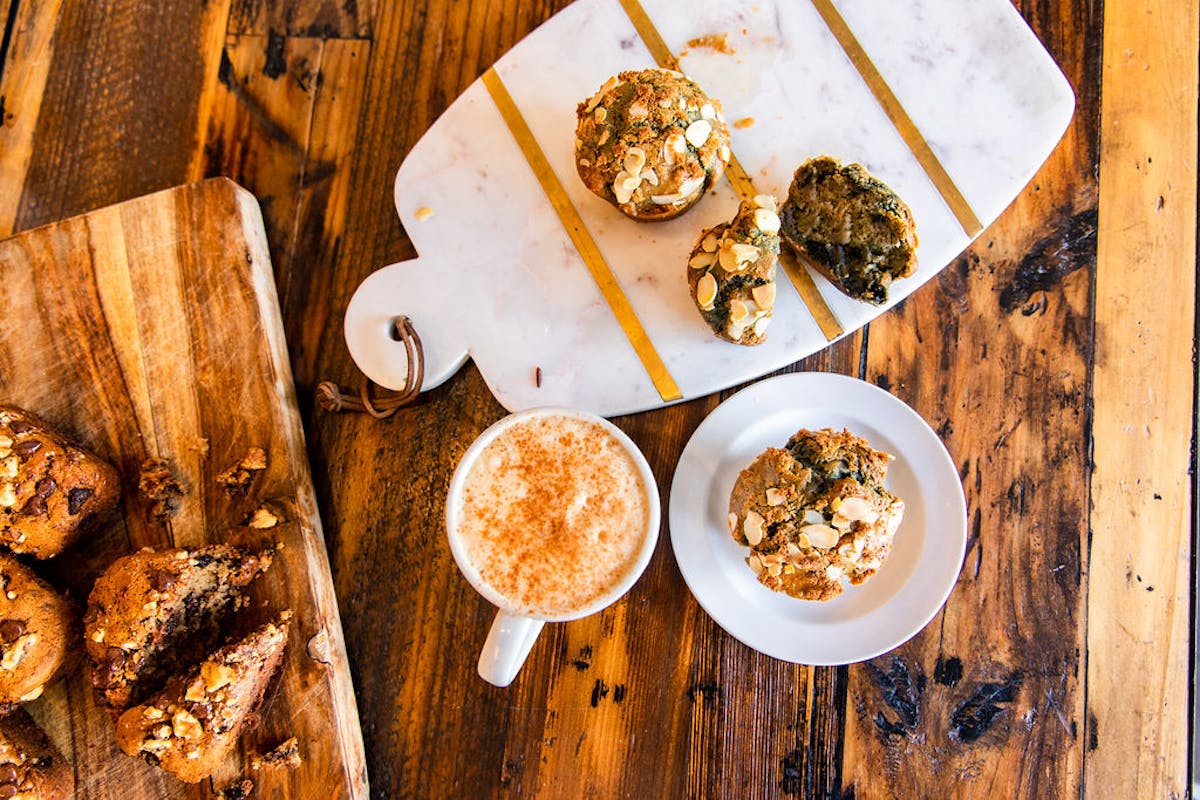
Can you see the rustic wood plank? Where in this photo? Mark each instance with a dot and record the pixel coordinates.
(321, 208)
(319, 19)
(1139, 589)
(24, 67)
(119, 111)
(151, 328)
(259, 127)
(996, 355)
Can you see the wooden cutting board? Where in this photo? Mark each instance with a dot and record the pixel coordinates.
(955, 105)
(152, 328)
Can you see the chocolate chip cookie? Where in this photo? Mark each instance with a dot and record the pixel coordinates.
(30, 765)
(731, 272)
(50, 488)
(814, 513)
(851, 226)
(651, 142)
(153, 610)
(190, 725)
(38, 632)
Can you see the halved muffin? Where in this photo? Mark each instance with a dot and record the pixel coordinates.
(153, 610)
(190, 725)
(731, 272)
(851, 226)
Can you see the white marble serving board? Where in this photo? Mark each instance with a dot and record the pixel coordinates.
(497, 278)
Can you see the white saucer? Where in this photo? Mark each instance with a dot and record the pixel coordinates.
(867, 620)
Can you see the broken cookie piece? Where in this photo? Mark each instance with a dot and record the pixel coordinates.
(851, 226)
(189, 727)
(158, 484)
(286, 755)
(236, 479)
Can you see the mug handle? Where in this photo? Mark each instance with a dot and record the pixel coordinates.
(508, 644)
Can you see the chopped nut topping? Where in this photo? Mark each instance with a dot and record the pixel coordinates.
(755, 563)
(8, 467)
(152, 712)
(216, 675)
(708, 112)
(710, 243)
(760, 326)
(98, 635)
(32, 694)
(635, 159)
(601, 114)
(162, 732)
(724, 153)
(185, 725)
(702, 260)
(8, 495)
(733, 523)
(775, 497)
(195, 692)
(624, 185)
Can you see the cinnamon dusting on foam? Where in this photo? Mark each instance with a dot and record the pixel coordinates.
(553, 514)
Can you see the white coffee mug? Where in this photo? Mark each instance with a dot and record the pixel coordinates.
(514, 630)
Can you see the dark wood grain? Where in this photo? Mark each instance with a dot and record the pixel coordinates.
(312, 105)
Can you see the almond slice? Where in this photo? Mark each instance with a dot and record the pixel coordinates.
(764, 296)
(822, 537)
(753, 528)
(706, 291)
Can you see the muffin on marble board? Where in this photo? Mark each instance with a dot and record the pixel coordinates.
(51, 489)
(731, 272)
(30, 765)
(39, 633)
(153, 610)
(814, 513)
(851, 226)
(189, 726)
(651, 142)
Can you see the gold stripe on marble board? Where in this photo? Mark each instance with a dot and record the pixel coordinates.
(588, 250)
(899, 117)
(741, 181)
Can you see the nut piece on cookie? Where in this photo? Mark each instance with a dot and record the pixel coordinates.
(814, 513)
(851, 226)
(731, 272)
(51, 489)
(650, 142)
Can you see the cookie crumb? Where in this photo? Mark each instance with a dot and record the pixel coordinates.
(718, 42)
(744, 122)
(286, 755)
(241, 790)
(236, 479)
(537, 377)
(263, 518)
(423, 213)
(158, 484)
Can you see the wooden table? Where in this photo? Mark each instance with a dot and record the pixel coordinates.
(1053, 358)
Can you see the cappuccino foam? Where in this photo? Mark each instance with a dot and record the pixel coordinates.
(553, 514)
